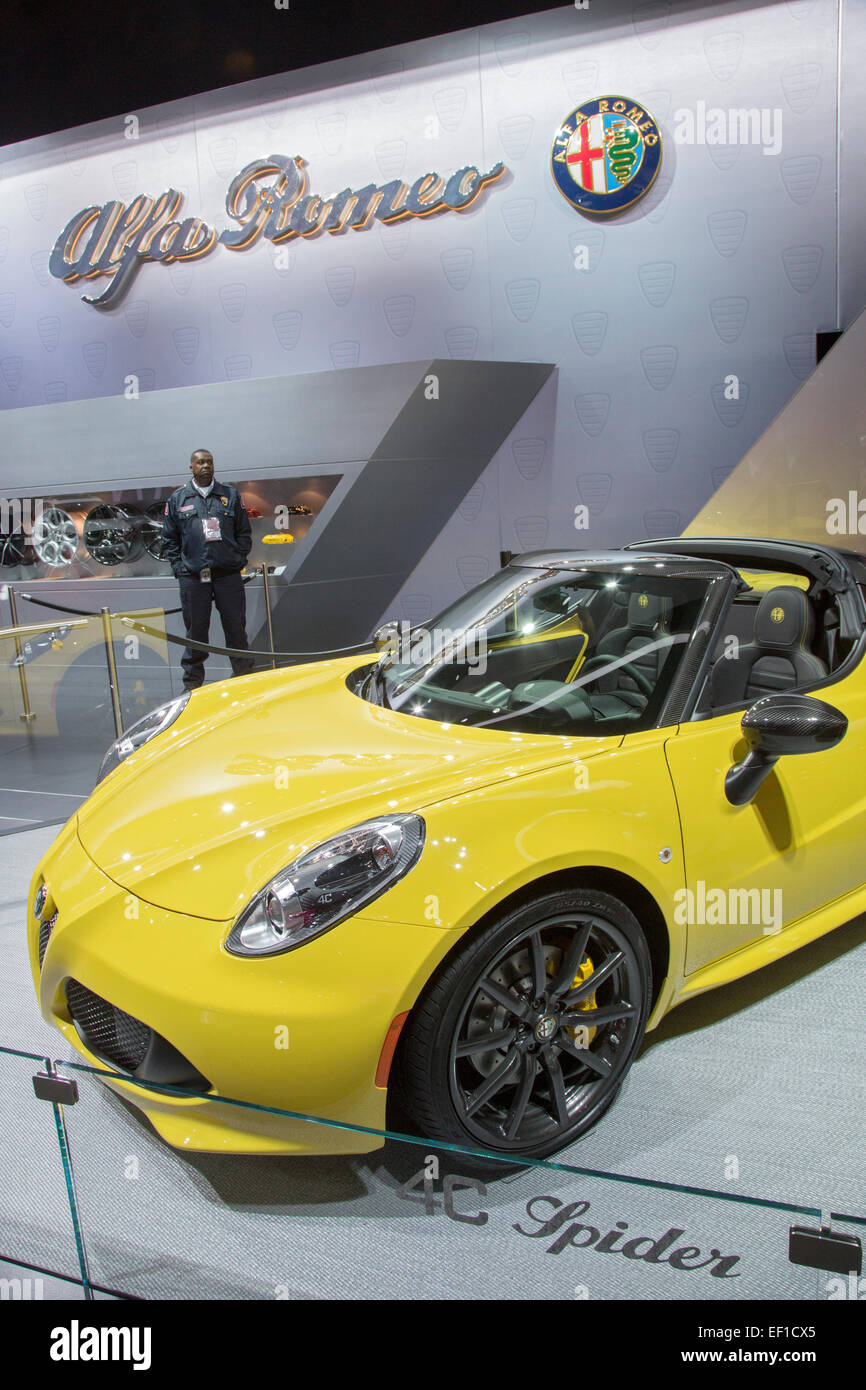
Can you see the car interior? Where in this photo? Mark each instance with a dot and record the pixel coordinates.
(579, 655)
(623, 673)
(781, 633)
(574, 654)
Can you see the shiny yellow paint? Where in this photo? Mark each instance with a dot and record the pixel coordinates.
(151, 874)
(801, 836)
(335, 998)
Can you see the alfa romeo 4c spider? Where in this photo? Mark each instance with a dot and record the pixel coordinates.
(469, 870)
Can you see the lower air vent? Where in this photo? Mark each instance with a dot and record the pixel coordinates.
(108, 1032)
(128, 1044)
(45, 929)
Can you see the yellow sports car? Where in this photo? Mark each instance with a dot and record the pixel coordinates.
(473, 868)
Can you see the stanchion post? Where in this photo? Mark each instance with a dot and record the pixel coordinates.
(28, 716)
(112, 671)
(268, 614)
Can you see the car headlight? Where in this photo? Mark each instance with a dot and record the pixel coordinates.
(141, 732)
(327, 884)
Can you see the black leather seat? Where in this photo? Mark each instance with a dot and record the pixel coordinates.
(619, 692)
(777, 658)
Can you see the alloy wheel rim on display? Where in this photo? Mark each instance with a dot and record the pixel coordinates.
(55, 538)
(112, 535)
(152, 532)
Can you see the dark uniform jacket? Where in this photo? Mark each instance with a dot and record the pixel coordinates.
(185, 546)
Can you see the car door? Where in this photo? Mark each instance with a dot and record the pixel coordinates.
(753, 870)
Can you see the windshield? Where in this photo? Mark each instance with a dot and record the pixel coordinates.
(575, 651)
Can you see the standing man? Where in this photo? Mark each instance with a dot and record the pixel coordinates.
(207, 541)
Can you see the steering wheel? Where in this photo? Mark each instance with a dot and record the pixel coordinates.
(640, 677)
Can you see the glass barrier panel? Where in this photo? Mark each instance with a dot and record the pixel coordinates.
(57, 711)
(147, 666)
(35, 1221)
(409, 1219)
(55, 719)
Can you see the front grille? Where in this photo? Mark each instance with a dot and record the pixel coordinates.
(128, 1044)
(107, 1031)
(46, 927)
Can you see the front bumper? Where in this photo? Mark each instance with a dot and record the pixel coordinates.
(303, 1031)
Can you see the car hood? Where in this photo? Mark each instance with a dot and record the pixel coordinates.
(257, 770)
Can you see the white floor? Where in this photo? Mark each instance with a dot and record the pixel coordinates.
(20, 1283)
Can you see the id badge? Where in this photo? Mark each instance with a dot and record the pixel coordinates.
(204, 575)
(211, 526)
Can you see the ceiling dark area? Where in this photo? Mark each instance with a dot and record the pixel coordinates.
(67, 62)
(63, 65)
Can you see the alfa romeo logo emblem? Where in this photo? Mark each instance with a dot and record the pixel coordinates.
(606, 154)
(545, 1028)
(777, 614)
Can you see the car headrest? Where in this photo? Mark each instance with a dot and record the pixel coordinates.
(784, 618)
(646, 610)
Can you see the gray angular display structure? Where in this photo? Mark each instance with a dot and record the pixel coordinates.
(408, 441)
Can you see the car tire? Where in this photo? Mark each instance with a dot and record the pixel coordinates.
(546, 1082)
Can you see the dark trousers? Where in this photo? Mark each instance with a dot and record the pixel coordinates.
(226, 590)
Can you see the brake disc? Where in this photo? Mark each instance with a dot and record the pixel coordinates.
(55, 538)
(112, 535)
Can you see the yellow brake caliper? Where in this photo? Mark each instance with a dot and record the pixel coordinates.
(581, 1036)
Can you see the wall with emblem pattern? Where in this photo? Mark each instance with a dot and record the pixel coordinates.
(726, 269)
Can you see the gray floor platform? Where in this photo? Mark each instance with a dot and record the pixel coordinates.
(43, 782)
(21, 1283)
(757, 1089)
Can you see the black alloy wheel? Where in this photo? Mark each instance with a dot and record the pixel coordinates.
(522, 1042)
